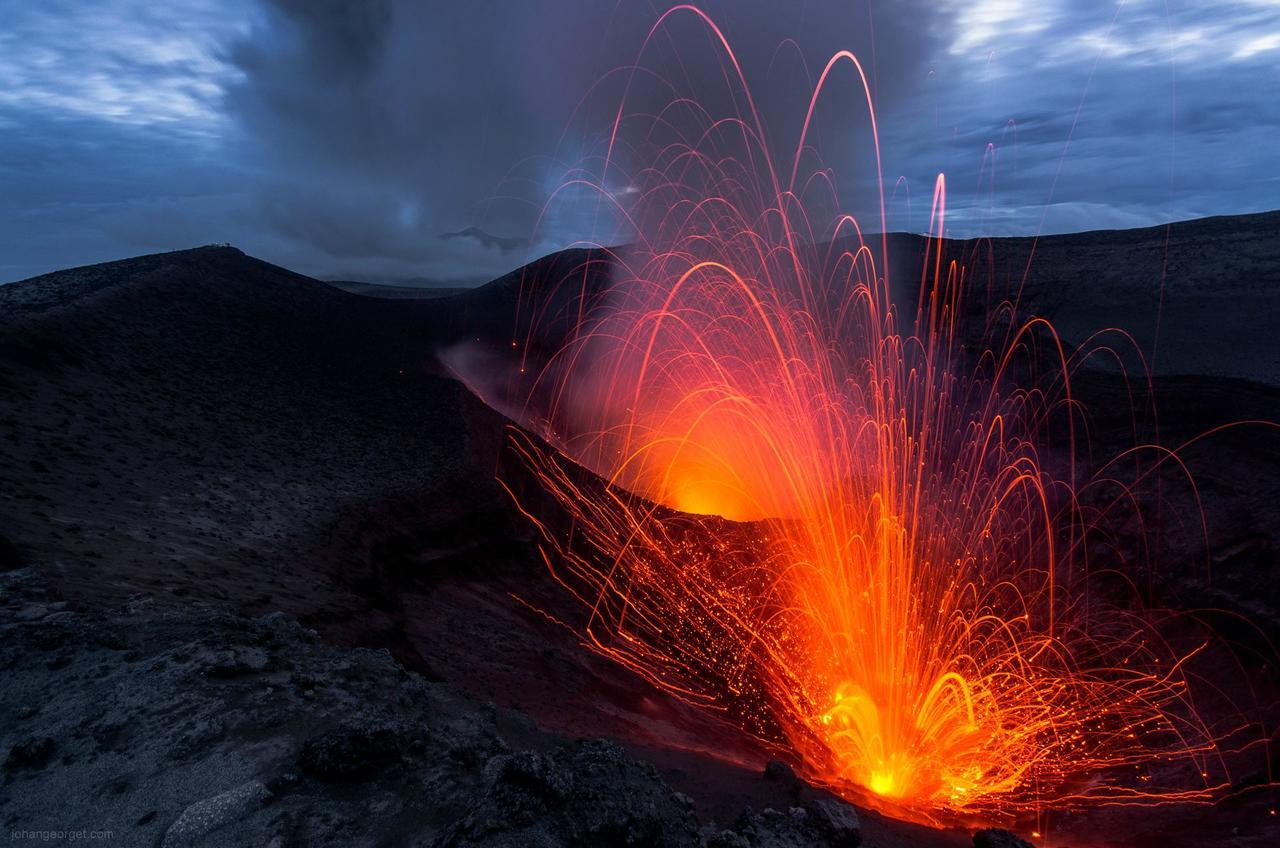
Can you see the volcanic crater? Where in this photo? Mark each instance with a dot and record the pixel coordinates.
(264, 581)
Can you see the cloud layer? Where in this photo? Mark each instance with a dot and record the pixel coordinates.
(350, 138)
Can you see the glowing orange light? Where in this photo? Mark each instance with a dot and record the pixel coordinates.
(904, 611)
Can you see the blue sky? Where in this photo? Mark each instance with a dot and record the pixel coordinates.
(344, 139)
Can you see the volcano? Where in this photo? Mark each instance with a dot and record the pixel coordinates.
(260, 555)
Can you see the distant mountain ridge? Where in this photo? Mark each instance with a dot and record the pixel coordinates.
(1183, 278)
(394, 291)
(487, 240)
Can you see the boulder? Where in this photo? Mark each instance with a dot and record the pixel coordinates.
(208, 815)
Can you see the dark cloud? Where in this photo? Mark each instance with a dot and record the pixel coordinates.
(382, 125)
(351, 138)
(385, 125)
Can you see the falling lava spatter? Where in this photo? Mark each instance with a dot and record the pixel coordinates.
(899, 592)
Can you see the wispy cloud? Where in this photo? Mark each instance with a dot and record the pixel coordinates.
(1060, 116)
(127, 61)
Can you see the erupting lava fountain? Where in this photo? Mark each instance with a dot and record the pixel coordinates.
(856, 533)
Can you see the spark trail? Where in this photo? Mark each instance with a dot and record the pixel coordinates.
(899, 592)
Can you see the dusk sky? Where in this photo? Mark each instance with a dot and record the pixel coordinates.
(346, 139)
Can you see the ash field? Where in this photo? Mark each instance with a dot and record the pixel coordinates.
(260, 585)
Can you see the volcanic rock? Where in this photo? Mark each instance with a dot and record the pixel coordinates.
(232, 662)
(827, 822)
(993, 837)
(779, 772)
(210, 814)
(32, 752)
(349, 753)
(836, 822)
(584, 794)
(10, 558)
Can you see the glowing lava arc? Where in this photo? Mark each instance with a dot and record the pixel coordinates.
(906, 611)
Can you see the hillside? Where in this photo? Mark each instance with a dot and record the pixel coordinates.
(201, 436)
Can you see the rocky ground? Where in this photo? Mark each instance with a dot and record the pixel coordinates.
(198, 726)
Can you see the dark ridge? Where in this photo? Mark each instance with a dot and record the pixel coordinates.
(61, 287)
(393, 291)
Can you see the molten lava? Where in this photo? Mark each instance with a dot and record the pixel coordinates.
(906, 608)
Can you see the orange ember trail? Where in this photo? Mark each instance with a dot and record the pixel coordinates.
(898, 594)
